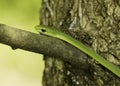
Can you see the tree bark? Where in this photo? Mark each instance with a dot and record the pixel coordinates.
(17, 38)
(96, 23)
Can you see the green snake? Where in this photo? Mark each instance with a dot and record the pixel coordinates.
(60, 35)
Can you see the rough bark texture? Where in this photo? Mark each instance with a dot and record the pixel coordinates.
(94, 22)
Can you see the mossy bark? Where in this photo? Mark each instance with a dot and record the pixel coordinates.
(96, 23)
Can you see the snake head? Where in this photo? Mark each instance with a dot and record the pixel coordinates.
(40, 29)
(45, 30)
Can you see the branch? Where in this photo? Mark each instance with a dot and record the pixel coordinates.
(17, 38)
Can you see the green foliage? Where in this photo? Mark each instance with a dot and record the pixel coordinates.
(25, 67)
(20, 13)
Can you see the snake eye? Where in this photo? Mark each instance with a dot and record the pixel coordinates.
(43, 30)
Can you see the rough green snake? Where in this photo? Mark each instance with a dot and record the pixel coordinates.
(60, 35)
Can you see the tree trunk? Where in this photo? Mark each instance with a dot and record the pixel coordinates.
(96, 23)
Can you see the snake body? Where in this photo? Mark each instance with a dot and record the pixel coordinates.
(60, 35)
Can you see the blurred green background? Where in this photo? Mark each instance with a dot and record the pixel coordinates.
(19, 67)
